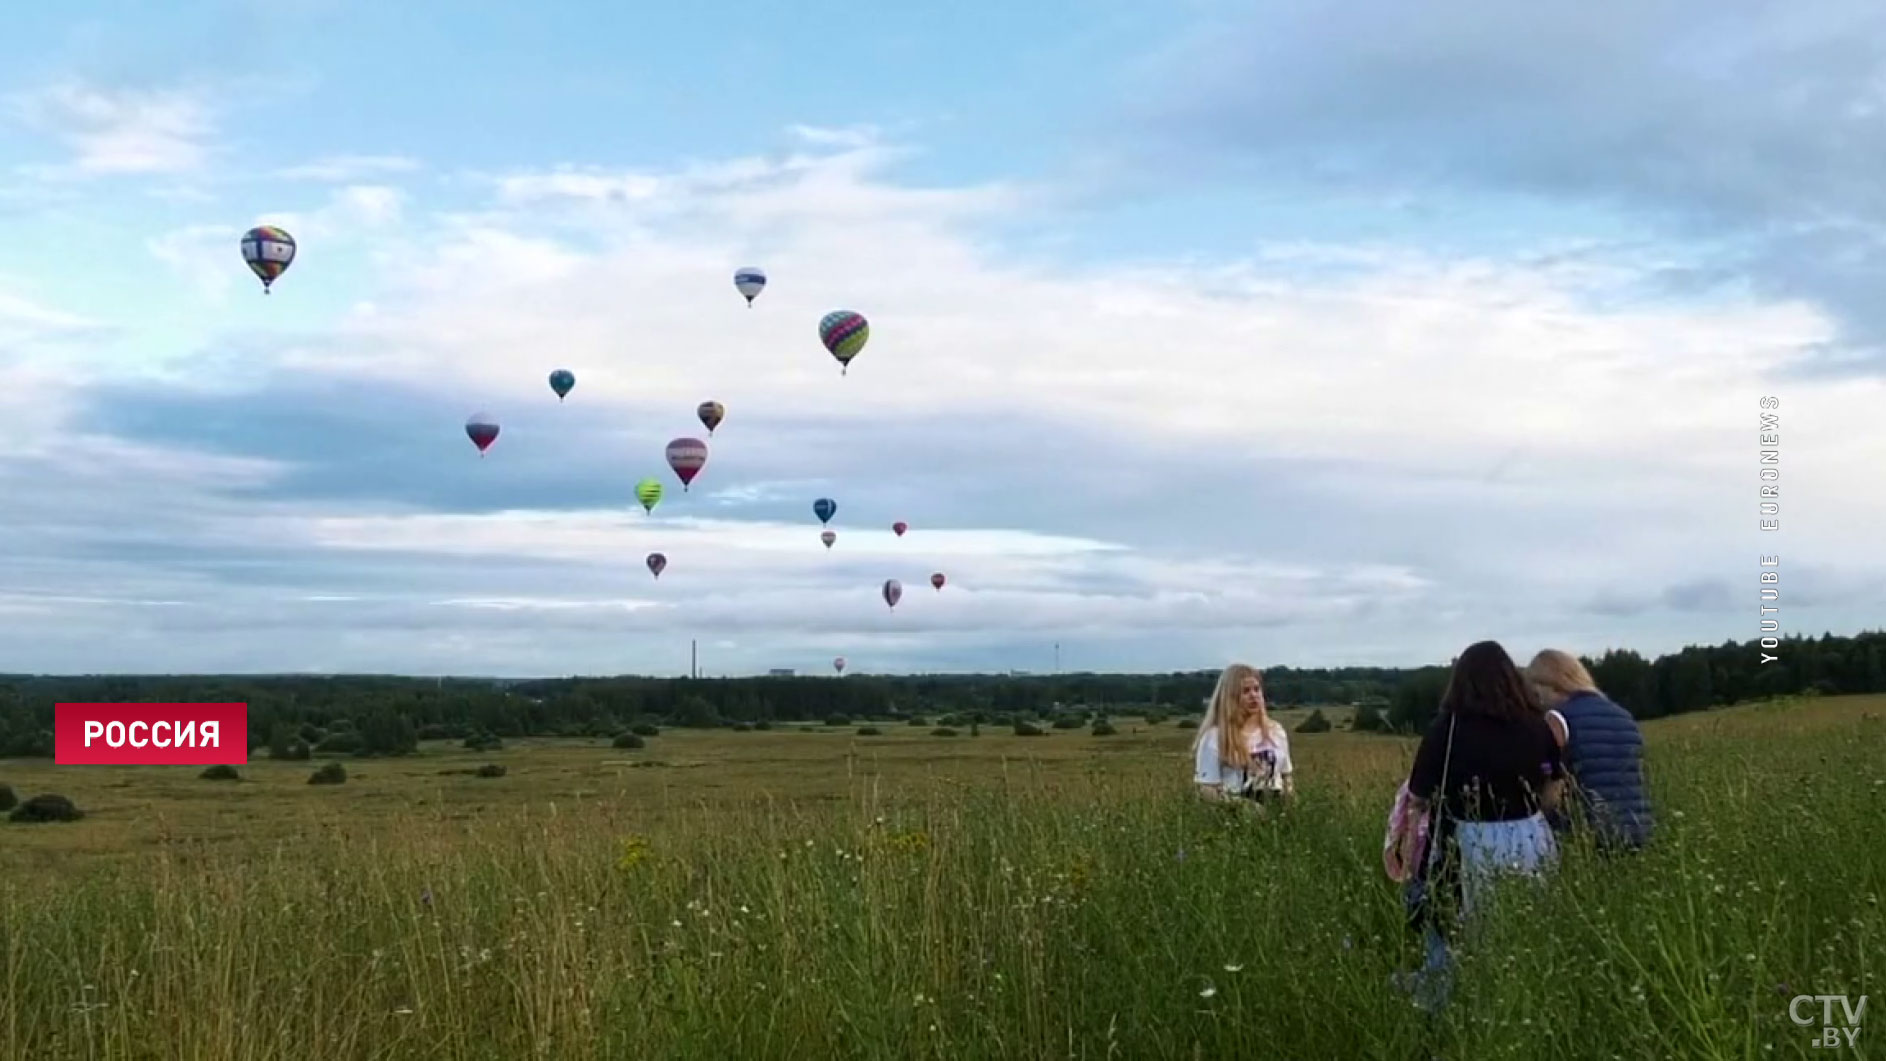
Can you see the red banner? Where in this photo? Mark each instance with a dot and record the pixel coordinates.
(150, 734)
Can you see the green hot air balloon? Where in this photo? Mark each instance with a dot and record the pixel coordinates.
(561, 381)
(648, 492)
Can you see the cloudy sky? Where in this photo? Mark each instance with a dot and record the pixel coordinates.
(1199, 331)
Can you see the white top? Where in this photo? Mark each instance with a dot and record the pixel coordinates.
(1270, 762)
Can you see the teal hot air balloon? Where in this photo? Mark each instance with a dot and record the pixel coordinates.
(844, 334)
(561, 381)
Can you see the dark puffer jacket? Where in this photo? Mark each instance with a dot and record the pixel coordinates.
(1604, 754)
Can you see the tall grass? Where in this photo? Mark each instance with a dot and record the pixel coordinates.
(1056, 917)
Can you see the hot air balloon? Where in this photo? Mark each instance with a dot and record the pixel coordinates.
(844, 334)
(828, 537)
(825, 508)
(269, 252)
(839, 664)
(900, 527)
(482, 430)
(711, 414)
(656, 562)
(648, 492)
(686, 456)
(750, 280)
(561, 381)
(893, 591)
(937, 580)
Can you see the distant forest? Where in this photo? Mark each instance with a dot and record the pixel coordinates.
(296, 716)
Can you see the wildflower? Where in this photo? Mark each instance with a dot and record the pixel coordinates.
(1230, 968)
(1208, 992)
(634, 853)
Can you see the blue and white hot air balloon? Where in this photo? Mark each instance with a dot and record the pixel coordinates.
(751, 280)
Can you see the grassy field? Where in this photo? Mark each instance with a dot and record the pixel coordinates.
(815, 894)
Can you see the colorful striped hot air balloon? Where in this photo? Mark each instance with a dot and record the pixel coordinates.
(648, 492)
(844, 334)
(687, 456)
(269, 251)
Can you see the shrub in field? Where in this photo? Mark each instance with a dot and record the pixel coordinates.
(951, 720)
(341, 742)
(483, 742)
(1069, 722)
(742, 727)
(1187, 723)
(1029, 729)
(1316, 723)
(836, 721)
(869, 731)
(763, 724)
(220, 772)
(1103, 728)
(8, 800)
(46, 808)
(328, 774)
(629, 740)
(914, 720)
(942, 731)
(491, 770)
(645, 729)
(1154, 718)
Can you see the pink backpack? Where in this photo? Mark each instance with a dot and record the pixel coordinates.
(1401, 818)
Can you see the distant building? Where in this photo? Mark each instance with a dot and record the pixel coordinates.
(780, 672)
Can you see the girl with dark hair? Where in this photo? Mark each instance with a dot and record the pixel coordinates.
(1486, 772)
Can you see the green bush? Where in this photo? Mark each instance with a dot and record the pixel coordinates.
(1316, 723)
(491, 770)
(1070, 722)
(341, 742)
(630, 740)
(1103, 728)
(329, 774)
(47, 808)
(869, 731)
(220, 772)
(8, 800)
(1029, 729)
(645, 729)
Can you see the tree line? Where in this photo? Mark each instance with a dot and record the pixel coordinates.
(295, 716)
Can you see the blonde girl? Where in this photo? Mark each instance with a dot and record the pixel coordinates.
(1240, 751)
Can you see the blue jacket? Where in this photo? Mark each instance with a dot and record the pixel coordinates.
(1604, 756)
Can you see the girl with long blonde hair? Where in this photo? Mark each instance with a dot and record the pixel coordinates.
(1240, 751)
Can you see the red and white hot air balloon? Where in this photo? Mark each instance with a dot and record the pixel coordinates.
(937, 580)
(482, 430)
(900, 527)
(828, 537)
(893, 592)
(839, 664)
(687, 456)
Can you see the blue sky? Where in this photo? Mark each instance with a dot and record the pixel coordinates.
(1200, 331)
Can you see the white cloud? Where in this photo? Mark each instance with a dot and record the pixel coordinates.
(124, 131)
(348, 169)
(1248, 458)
